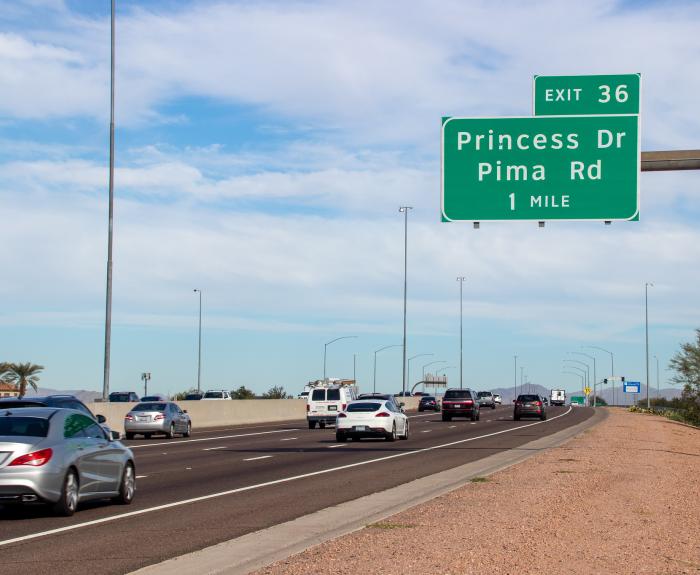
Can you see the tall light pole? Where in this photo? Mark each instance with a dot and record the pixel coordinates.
(325, 350)
(432, 363)
(522, 369)
(108, 303)
(515, 377)
(612, 365)
(647, 285)
(145, 376)
(374, 379)
(199, 353)
(595, 377)
(405, 209)
(414, 357)
(576, 374)
(461, 280)
(587, 372)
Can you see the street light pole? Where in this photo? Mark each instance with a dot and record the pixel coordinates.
(145, 376)
(522, 369)
(515, 377)
(612, 365)
(374, 379)
(325, 349)
(595, 377)
(646, 325)
(658, 385)
(461, 280)
(405, 209)
(587, 372)
(110, 225)
(414, 357)
(199, 355)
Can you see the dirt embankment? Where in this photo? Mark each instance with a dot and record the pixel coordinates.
(623, 498)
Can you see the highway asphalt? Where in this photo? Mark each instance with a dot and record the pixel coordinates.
(223, 483)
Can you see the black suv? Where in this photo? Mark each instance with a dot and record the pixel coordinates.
(460, 402)
(529, 405)
(428, 402)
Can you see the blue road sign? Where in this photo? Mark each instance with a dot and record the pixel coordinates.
(632, 387)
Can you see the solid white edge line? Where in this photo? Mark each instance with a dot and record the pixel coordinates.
(256, 458)
(211, 438)
(265, 484)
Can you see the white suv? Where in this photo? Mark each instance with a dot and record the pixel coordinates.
(216, 394)
(324, 403)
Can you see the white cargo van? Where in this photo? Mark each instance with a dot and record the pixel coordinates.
(557, 397)
(325, 402)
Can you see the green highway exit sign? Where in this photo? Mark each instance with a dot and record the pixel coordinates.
(574, 95)
(540, 168)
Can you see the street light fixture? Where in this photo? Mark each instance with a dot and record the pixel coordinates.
(374, 379)
(445, 368)
(461, 280)
(146, 376)
(325, 349)
(587, 372)
(409, 363)
(647, 285)
(199, 355)
(595, 379)
(612, 366)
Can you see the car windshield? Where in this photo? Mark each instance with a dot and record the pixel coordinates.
(427, 398)
(458, 394)
(528, 398)
(151, 398)
(333, 395)
(24, 426)
(368, 406)
(214, 394)
(150, 407)
(484, 394)
(119, 397)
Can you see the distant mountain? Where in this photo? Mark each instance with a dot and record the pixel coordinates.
(82, 394)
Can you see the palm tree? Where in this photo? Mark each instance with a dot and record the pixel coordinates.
(23, 374)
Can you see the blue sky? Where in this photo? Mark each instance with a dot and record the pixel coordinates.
(262, 151)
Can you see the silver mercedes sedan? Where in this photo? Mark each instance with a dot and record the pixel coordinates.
(61, 457)
(151, 417)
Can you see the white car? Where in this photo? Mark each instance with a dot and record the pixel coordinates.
(371, 418)
(216, 394)
(497, 399)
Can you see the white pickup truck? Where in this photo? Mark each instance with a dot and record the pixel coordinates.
(557, 397)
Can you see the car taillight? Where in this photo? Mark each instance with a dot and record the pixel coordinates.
(344, 406)
(307, 407)
(159, 416)
(468, 402)
(129, 417)
(538, 404)
(342, 415)
(35, 459)
(383, 414)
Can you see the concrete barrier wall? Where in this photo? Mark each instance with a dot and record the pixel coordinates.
(216, 413)
(228, 412)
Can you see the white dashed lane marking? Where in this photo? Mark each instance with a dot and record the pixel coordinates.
(256, 458)
(213, 448)
(289, 438)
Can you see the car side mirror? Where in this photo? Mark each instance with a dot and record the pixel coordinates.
(116, 436)
(184, 411)
(101, 419)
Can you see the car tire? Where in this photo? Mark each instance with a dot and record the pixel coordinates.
(516, 417)
(391, 436)
(188, 433)
(68, 501)
(420, 409)
(446, 417)
(340, 437)
(147, 436)
(171, 433)
(312, 425)
(474, 416)
(322, 425)
(405, 435)
(130, 435)
(493, 406)
(354, 438)
(543, 417)
(127, 486)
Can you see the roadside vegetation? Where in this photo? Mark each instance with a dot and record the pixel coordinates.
(21, 375)
(686, 408)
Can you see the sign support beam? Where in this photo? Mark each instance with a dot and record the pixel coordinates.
(663, 161)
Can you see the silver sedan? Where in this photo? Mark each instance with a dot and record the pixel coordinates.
(151, 417)
(61, 457)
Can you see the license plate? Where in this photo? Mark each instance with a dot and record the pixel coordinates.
(457, 405)
(528, 405)
(332, 408)
(360, 428)
(143, 418)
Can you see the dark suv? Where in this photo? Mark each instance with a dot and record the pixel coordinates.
(460, 402)
(428, 402)
(529, 405)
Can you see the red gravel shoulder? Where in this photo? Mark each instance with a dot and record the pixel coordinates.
(623, 497)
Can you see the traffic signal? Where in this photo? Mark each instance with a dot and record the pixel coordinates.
(605, 380)
(623, 379)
